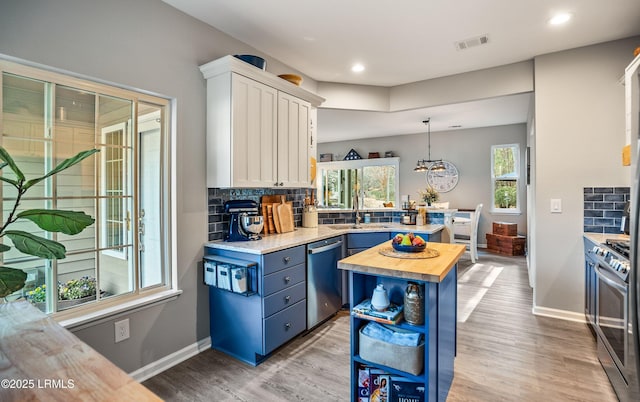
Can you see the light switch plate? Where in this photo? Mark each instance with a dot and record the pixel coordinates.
(556, 205)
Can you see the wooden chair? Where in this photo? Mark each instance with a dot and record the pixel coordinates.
(466, 231)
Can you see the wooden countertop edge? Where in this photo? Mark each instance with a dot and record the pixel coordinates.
(372, 262)
(34, 347)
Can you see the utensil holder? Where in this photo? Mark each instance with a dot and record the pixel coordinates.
(310, 218)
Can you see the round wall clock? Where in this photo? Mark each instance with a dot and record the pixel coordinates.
(443, 180)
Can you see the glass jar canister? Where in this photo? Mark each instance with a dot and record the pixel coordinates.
(414, 304)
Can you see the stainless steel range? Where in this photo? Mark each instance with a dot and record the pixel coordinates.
(611, 318)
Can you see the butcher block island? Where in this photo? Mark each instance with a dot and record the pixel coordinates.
(403, 360)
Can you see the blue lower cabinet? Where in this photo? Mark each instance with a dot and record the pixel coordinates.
(250, 327)
(435, 356)
(284, 325)
(366, 240)
(283, 279)
(284, 298)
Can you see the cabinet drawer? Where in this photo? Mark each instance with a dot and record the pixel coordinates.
(283, 259)
(284, 325)
(283, 279)
(366, 240)
(284, 298)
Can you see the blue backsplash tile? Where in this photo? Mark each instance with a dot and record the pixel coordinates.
(219, 221)
(603, 208)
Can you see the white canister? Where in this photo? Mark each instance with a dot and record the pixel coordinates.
(310, 218)
(380, 298)
(210, 273)
(224, 271)
(239, 279)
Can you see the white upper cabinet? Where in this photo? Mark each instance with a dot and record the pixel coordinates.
(258, 127)
(293, 141)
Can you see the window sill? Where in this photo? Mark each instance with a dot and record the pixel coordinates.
(83, 319)
(505, 212)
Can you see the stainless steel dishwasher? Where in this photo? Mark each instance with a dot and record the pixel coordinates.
(324, 280)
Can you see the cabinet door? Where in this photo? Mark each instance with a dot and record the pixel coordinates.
(254, 133)
(293, 141)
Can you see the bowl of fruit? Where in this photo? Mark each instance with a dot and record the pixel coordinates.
(408, 243)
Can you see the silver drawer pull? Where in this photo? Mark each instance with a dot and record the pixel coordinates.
(287, 299)
(287, 279)
(286, 260)
(287, 326)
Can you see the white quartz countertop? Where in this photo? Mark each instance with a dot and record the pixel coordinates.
(602, 237)
(300, 236)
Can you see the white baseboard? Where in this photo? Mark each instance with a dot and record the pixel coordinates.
(560, 314)
(160, 365)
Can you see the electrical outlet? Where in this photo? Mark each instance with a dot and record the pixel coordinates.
(122, 330)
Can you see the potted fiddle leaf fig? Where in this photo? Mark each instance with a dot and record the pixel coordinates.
(49, 220)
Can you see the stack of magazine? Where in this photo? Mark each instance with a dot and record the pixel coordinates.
(392, 315)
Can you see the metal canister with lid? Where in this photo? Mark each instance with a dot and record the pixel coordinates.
(414, 304)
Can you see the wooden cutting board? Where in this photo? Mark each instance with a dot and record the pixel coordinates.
(285, 216)
(276, 217)
(266, 201)
(269, 218)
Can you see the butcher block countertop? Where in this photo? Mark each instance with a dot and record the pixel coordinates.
(42, 361)
(424, 269)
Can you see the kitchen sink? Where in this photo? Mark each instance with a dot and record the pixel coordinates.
(363, 226)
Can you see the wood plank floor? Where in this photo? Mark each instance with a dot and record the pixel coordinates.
(505, 353)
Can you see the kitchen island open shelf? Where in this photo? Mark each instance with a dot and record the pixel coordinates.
(438, 278)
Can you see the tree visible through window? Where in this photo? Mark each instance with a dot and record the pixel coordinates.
(505, 175)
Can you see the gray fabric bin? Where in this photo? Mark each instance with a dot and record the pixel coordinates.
(409, 359)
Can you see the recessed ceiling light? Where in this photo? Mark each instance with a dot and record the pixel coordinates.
(357, 68)
(560, 19)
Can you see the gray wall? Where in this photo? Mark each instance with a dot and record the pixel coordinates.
(469, 150)
(579, 136)
(149, 45)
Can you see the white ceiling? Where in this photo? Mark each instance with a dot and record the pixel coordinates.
(411, 40)
(339, 125)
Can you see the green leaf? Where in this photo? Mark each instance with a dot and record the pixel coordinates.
(4, 155)
(54, 220)
(4, 247)
(36, 245)
(11, 279)
(65, 164)
(12, 182)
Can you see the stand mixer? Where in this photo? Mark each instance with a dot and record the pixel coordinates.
(245, 223)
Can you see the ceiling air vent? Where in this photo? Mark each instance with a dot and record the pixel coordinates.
(472, 42)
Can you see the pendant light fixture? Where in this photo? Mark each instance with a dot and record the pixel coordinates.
(429, 164)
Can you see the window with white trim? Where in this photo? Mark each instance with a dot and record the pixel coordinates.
(505, 178)
(125, 255)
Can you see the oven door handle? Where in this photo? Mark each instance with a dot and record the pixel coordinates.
(610, 281)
